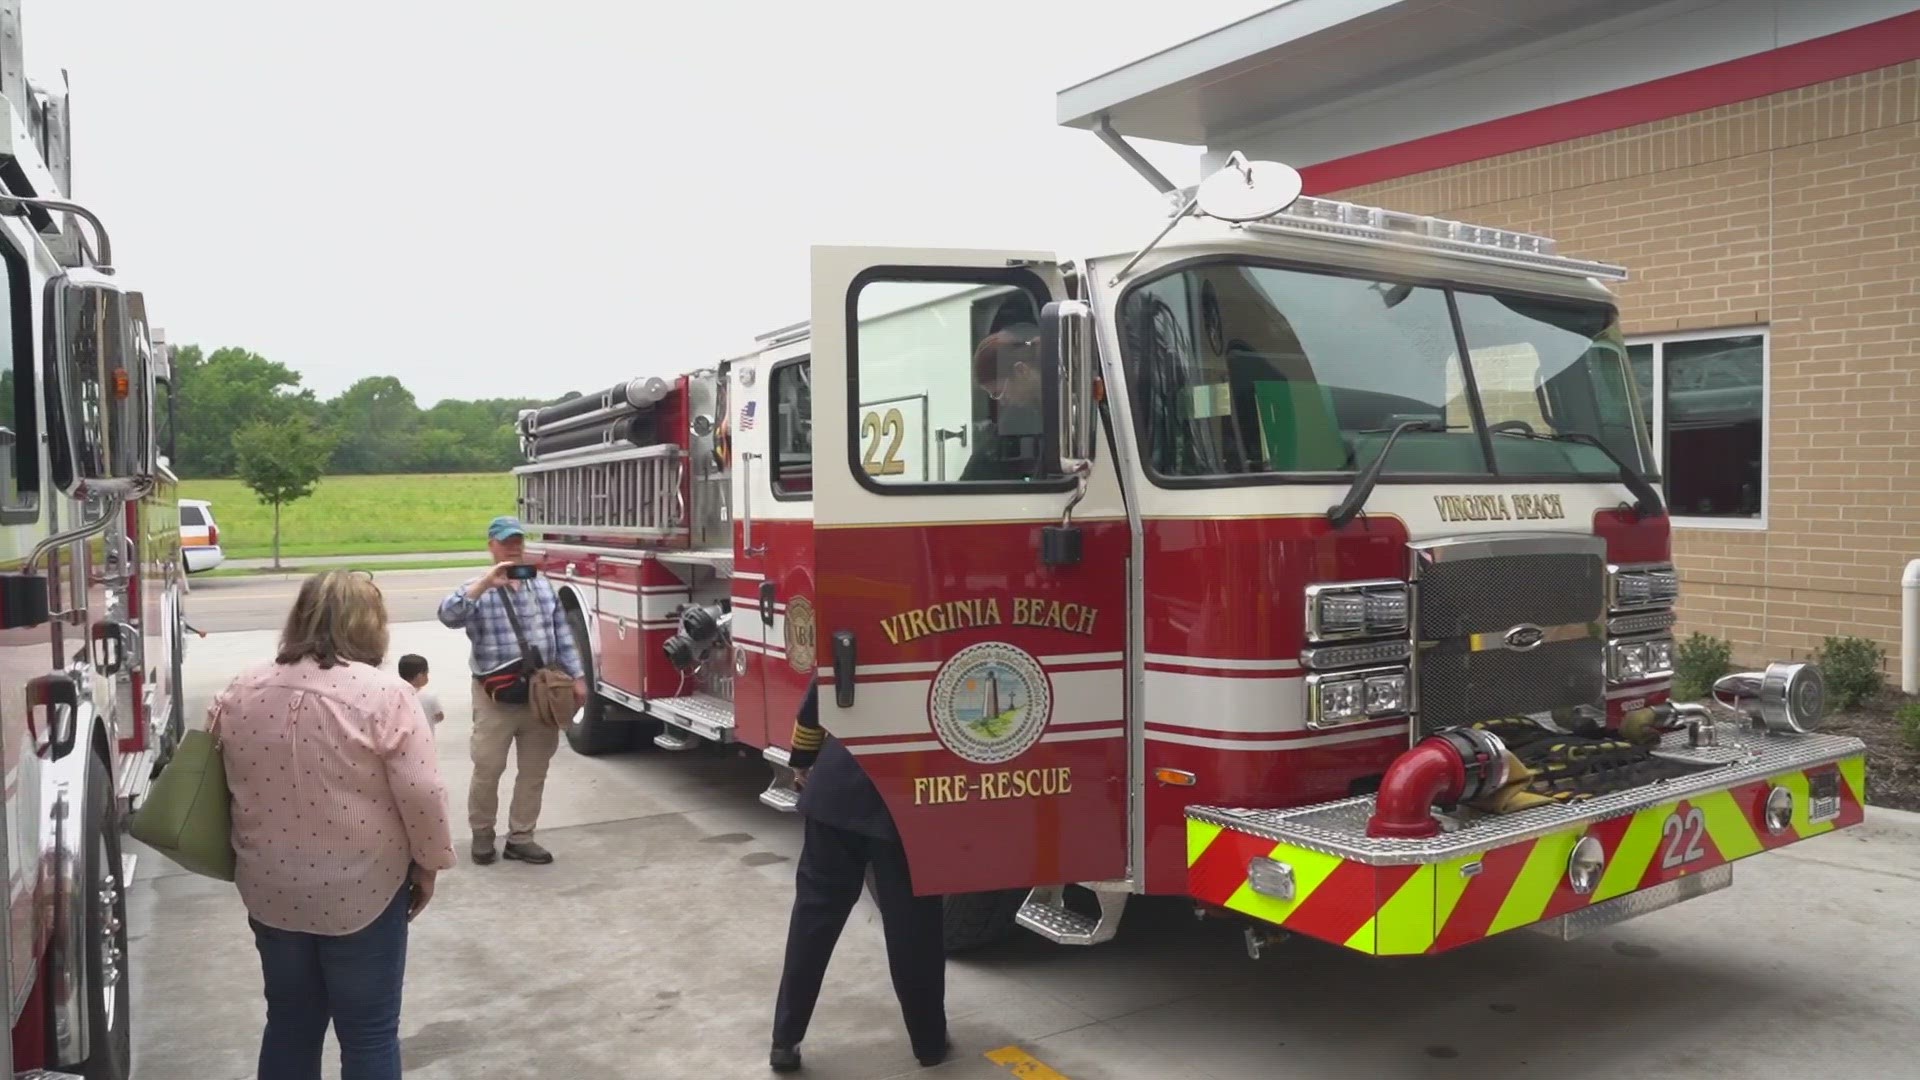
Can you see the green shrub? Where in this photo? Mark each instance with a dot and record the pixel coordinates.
(1697, 662)
(1909, 717)
(1852, 666)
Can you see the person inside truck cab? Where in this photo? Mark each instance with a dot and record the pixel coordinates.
(1006, 367)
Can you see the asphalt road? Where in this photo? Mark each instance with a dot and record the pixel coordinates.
(227, 604)
(652, 946)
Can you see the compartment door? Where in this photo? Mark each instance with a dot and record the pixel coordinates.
(987, 690)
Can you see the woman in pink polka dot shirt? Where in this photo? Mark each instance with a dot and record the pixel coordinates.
(339, 828)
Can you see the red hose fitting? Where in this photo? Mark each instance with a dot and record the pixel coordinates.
(1441, 770)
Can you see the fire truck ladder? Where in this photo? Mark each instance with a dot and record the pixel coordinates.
(636, 493)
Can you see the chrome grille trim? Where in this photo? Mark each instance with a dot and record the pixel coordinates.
(1478, 598)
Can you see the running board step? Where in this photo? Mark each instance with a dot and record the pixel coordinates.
(781, 794)
(704, 715)
(136, 775)
(1046, 913)
(676, 740)
(46, 1074)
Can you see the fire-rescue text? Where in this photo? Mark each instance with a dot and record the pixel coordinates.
(988, 611)
(1006, 784)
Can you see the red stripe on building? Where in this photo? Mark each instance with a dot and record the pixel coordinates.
(1836, 56)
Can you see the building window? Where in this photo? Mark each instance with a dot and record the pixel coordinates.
(1705, 401)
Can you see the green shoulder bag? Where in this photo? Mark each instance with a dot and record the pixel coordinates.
(187, 814)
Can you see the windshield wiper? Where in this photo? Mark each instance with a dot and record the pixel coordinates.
(1646, 497)
(1364, 483)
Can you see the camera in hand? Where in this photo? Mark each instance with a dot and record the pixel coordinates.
(701, 628)
(523, 572)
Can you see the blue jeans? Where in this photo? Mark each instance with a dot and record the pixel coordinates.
(352, 980)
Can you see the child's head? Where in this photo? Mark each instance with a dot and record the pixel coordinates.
(413, 668)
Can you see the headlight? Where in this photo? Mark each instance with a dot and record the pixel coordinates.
(1641, 587)
(1348, 697)
(1357, 609)
(1640, 659)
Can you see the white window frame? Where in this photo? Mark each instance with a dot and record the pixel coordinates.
(1659, 408)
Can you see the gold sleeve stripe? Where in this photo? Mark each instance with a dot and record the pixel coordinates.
(808, 738)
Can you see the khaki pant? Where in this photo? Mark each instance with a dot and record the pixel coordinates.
(495, 728)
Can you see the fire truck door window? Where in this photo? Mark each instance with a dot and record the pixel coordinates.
(1558, 368)
(19, 430)
(949, 383)
(1249, 369)
(792, 434)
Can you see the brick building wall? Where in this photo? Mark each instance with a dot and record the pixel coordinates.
(1798, 212)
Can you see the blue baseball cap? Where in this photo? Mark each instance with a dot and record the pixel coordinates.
(505, 528)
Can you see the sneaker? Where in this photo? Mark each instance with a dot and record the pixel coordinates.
(528, 852)
(784, 1059)
(483, 850)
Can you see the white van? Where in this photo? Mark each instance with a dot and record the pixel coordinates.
(199, 536)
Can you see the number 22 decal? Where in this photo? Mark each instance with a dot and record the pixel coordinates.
(1682, 837)
(875, 428)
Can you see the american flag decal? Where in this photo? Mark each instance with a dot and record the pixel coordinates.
(746, 415)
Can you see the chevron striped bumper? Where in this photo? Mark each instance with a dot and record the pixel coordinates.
(1314, 871)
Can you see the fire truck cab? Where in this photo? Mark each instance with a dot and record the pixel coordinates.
(1306, 562)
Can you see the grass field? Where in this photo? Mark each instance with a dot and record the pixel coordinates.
(361, 515)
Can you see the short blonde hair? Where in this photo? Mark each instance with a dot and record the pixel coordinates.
(339, 617)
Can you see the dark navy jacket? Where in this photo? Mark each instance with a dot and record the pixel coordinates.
(838, 791)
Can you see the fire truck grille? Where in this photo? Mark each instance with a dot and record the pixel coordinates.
(1475, 603)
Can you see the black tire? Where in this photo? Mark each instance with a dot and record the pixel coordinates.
(109, 996)
(597, 728)
(975, 920)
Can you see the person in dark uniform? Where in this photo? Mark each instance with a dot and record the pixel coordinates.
(848, 832)
(1007, 368)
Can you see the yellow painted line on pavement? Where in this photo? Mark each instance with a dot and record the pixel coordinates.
(1022, 1064)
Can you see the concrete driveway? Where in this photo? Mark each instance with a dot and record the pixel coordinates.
(651, 948)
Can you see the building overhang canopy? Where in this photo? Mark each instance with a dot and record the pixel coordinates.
(1307, 54)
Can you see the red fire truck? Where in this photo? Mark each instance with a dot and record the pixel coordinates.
(90, 597)
(1307, 563)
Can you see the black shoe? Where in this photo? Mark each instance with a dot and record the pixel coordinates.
(482, 851)
(528, 852)
(784, 1059)
(929, 1058)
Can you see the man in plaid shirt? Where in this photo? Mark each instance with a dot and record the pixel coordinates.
(479, 606)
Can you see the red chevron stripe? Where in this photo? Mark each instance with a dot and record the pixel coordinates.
(1752, 801)
(1852, 812)
(1481, 902)
(1346, 900)
(1221, 869)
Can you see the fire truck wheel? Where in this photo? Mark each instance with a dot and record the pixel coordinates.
(976, 920)
(597, 728)
(109, 1001)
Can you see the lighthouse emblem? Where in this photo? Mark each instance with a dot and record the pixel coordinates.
(990, 702)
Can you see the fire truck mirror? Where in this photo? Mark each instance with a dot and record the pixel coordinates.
(103, 365)
(1066, 347)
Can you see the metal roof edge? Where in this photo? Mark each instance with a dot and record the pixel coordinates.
(1081, 104)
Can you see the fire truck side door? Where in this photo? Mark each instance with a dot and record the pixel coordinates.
(986, 695)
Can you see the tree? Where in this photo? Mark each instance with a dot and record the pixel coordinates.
(281, 462)
(218, 394)
(377, 421)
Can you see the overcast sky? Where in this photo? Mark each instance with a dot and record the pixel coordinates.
(499, 199)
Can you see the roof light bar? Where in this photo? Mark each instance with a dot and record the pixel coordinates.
(1391, 228)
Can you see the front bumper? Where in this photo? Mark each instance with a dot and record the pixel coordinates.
(1485, 874)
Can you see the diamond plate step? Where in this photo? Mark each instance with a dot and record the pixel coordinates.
(1045, 912)
(702, 714)
(781, 794)
(136, 775)
(675, 740)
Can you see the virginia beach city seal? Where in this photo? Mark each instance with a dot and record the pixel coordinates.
(800, 635)
(990, 703)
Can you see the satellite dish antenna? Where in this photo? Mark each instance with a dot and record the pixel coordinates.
(1248, 190)
(1240, 192)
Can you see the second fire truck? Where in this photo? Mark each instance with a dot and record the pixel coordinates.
(1308, 563)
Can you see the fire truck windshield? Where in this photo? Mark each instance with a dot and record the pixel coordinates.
(1244, 369)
